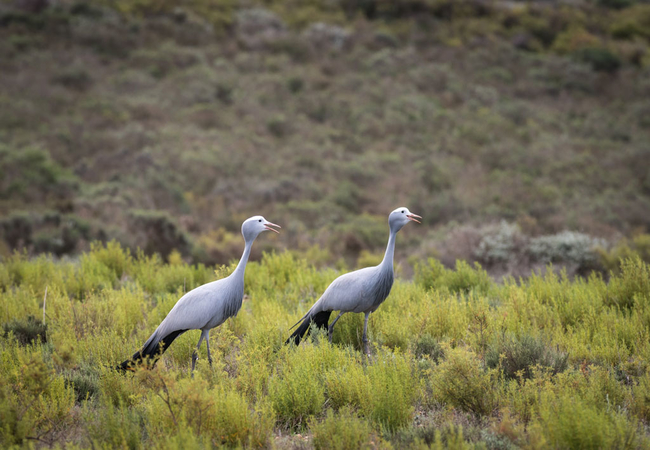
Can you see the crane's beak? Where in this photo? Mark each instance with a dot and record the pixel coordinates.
(268, 225)
(413, 217)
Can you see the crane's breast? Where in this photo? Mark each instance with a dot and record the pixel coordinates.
(381, 287)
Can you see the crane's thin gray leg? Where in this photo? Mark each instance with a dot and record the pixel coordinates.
(330, 329)
(195, 353)
(365, 334)
(207, 343)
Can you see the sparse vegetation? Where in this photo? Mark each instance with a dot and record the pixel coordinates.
(163, 125)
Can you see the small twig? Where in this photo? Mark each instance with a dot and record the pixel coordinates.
(44, 300)
(167, 401)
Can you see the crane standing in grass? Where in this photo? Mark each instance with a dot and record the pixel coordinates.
(205, 307)
(359, 291)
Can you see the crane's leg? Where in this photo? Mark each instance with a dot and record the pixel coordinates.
(195, 353)
(207, 343)
(365, 334)
(330, 329)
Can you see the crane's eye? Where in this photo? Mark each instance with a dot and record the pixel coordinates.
(260, 220)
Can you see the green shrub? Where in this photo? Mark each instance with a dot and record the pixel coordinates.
(599, 58)
(570, 422)
(17, 229)
(342, 432)
(631, 286)
(74, 78)
(34, 402)
(295, 389)
(392, 389)
(632, 22)
(114, 427)
(460, 381)
(615, 4)
(85, 384)
(429, 346)
(347, 386)
(639, 246)
(30, 174)
(223, 416)
(517, 356)
(641, 398)
(463, 280)
(28, 331)
(278, 126)
(157, 232)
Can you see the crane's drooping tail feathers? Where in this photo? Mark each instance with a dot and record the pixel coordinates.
(321, 320)
(153, 348)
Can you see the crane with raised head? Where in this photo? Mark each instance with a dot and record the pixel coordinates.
(204, 307)
(361, 291)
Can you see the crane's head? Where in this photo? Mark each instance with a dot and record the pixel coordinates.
(400, 217)
(255, 225)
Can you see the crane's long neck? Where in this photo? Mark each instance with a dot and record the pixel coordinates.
(241, 267)
(387, 262)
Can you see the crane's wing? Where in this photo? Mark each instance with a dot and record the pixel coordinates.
(195, 310)
(349, 292)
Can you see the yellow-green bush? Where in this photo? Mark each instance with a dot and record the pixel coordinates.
(464, 279)
(461, 382)
(570, 422)
(392, 390)
(342, 432)
(295, 389)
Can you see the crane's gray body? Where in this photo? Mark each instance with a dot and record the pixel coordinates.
(205, 307)
(361, 291)
(358, 292)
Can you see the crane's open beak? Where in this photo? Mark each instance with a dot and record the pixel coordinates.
(413, 217)
(268, 225)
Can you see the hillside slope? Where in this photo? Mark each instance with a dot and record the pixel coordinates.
(165, 128)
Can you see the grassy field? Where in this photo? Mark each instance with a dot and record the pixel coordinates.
(137, 135)
(164, 127)
(457, 361)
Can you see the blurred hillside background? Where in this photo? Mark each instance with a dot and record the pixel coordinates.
(519, 130)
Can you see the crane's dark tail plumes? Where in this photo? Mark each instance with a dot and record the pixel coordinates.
(151, 351)
(321, 320)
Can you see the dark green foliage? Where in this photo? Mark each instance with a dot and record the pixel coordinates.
(600, 59)
(85, 383)
(75, 78)
(518, 356)
(30, 174)
(278, 126)
(158, 233)
(28, 331)
(429, 346)
(17, 229)
(616, 4)
(295, 84)
(63, 237)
